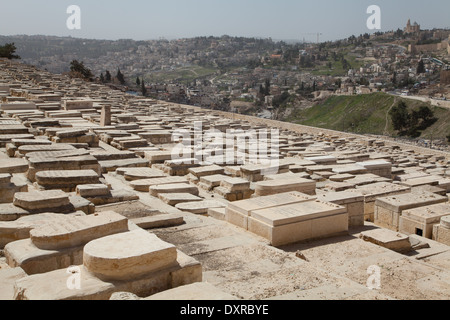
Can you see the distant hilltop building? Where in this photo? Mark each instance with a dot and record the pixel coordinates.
(412, 28)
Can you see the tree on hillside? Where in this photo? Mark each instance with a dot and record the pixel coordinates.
(120, 77)
(79, 70)
(108, 77)
(400, 117)
(138, 81)
(411, 123)
(7, 51)
(143, 88)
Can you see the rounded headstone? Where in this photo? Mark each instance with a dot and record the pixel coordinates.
(128, 255)
(445, 222)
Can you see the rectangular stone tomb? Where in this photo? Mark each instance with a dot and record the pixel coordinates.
(59, 244)
(66, 180)
(176, 198)
(8, 188)
(145, 184)
(207, 171)
(66, 163)
(298, 222)
(237, 213)
(131, 174)
(173, 188)
(421, 220)
(388, 239)
(137, 262)
(265, 188)
(255, 173)
(7, 138)
(381, 168)
(441, 232)
(389, 209)
(210, 182)
(234, 189)
(41, 200)
(11, 231)
(157, 137)
(200, 207)
(13, 166)
(40, 148)
(354, 203)
(113, 165)
(377, 190)
(158, 156)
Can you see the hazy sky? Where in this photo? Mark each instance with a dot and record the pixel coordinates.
(279, 19)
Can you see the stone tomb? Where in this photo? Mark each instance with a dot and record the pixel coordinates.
(66, 180)
(237, 213)
(441, 232)
(388, 239)
(12, 148)
(41, 201)
(255, 173)
(380, 168)
(200, 207)
(389, 209)
(266, 188)
(100, 194)
(8, 188)
(298, 222)
(173, 199)
(173, 188)
(131, 174)
(145, 184)
(234, 189)
(377, 190)
(59, 244)
(10, 166)
(77, 163)
(351, 200)
(19, 229)
(137, 262)
(421, 220)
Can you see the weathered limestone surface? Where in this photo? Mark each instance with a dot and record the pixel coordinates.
(66, 180)
(20, 229)
(151, 266)
(265, 188)
(131, 174)
(75, 231)
(173, 188)
(200, 207)
(145, 184)
(59, 244)
(193, 292)
(351, 200)
(308, 220)
(41, 200)
(388, 210)
(388, 239)
(422, 220)
(13, 166)
(441, 232)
